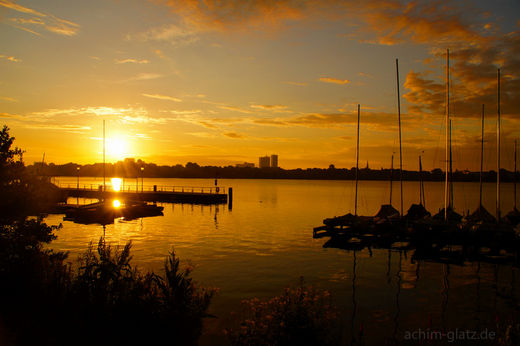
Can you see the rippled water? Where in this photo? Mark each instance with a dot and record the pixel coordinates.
(265, 243)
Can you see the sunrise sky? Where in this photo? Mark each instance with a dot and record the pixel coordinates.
(223, 82)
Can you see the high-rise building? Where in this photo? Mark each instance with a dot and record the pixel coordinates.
(264, 162)
(274, 161)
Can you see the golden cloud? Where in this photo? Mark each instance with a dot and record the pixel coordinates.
(10, 99)
(237, 14)
(391, 21)
(233, 135)
(47, 21)
(10, 58)
(19, 8)
(234, 109)
(132, 61)
(162, 97)
(473, 80)
(272, 108)
(334, 80)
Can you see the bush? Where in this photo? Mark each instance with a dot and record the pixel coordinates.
(105, 301)
(300, 316)
(157, 309)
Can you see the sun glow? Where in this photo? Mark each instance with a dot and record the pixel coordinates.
(116, 203)
(117, 148)
(116, 184)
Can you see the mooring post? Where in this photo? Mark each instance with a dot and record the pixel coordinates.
(230, 198)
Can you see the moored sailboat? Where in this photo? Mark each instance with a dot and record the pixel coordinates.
(481, 214)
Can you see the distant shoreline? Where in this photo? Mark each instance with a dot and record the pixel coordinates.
(130, 169)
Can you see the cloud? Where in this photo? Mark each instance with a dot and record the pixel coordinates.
(202, 134)
(68, 128)
(142, 119)
(62, 27)
(233, 135)
(473, 80)
(234, 109)
(172, 33)
(9, 58)
(334, 80)
(272, 108)
(366, 75)
(9, 99)
(382, 21)
(49, 22)
(7, 115)
(183, 112)
(144, 76)
(19, 8)
(162, 97)
(236, 14)
(132, 61)
(429, 22)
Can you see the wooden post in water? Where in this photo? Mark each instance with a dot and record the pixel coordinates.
(400, 147)
(498, 147)
(357, 161)
(230, 198)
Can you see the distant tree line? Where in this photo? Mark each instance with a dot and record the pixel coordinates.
(131, 168)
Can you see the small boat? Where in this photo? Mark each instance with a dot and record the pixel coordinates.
(99, 212)
(105, 212)
(137, 209)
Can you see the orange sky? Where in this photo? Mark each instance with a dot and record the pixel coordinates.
(223, 82)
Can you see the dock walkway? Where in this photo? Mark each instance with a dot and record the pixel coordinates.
(151, 193)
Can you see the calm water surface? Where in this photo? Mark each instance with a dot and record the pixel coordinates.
(265, 244)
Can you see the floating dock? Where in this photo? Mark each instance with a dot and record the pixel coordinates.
(167, 194)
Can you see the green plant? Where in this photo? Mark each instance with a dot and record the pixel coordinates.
(300, 316)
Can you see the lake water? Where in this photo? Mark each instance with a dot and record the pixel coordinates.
(265, 244)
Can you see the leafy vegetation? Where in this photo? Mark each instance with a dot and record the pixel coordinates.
(300, 316)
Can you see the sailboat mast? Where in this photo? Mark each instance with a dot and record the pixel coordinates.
(498, 146)
(104, 187)
(357, 162)
(391, 177)
(514, 181)
(451, 172)
(481, 154)
(420, 182)
(400, 147)
(446, 188)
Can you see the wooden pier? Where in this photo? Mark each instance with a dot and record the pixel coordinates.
(154, 193)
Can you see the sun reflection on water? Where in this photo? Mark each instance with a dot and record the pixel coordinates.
(116, 184)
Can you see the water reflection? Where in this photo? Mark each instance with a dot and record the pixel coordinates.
(454, 285)
(397, 295)
(354, 302)
(261, 248)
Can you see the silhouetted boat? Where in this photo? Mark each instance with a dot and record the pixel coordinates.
(513, 217)
(417, 212)
(481, 215)
(105, 212)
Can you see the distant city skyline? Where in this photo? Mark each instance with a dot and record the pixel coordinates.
(180, 82)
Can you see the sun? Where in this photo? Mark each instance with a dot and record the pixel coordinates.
(117, 148)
